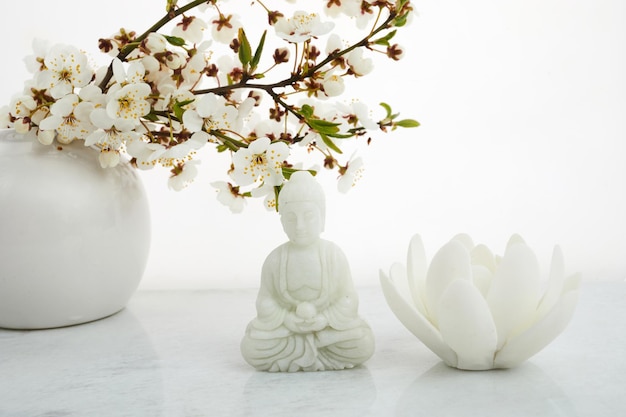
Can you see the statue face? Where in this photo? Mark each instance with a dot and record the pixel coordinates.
(302, 222)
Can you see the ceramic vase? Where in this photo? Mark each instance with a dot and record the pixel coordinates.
(74, 237)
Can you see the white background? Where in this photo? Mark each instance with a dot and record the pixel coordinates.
(522, 105)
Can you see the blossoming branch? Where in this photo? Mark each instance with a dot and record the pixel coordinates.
(257, 94)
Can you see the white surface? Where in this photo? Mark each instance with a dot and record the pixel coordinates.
(177, 354)
(521, 104)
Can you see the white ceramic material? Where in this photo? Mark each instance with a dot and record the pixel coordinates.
(307, 307)
(74, 237)
(477, 311)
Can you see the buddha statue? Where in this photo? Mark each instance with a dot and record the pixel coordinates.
(307, 307)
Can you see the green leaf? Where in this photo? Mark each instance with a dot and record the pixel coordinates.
(341, 135)
(288, 171)
(175, 40)
(151, 117)
(257, 54)
(400, 4)
(323, 126)
(329, 143)
(400, 20)
(387, 108)
(232, 144)
(178, 108)
(245, 51)
(276, 192)
(385, 39)
(306, 111)
(407, 123)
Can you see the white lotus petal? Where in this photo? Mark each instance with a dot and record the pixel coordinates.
(482, 277)
(415, 322)
(572, 283)
(398, 276)
(528, 343)
(466, 240)
(451, 262)
(481, 255)
(514, 291)
(514, 239)
(417, 265)
(466, 325)
(555, 283)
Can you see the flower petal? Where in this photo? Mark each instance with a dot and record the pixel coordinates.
(514, 291)
(531, 341)
(481, 277)
(482, 255)
(556, 280)
(451, 262)
(466, 240)
(466, 325)
(417, 266)
(192, 120)
(415, 322)
(398, 275)
(515, 239)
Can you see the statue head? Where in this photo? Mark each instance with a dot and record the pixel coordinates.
(302, 208)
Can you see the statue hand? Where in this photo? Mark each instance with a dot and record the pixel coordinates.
(294, 323)
(298, 324)
(318, 323)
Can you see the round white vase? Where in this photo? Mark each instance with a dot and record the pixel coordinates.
(74, 237)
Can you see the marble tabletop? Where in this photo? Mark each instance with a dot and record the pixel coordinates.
(176, 353)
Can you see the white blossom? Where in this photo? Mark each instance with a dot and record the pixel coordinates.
(22, 106)
(260, 162)
(21, 126)
(156, 43)
(268, 193)
(212, 112)
(69, 117)
(224, 29)
(110, 133)
(46, 137)
(352, 174)
(334, 43)
(66, 69)
(146, 154)
(34, 62)
(109, 158)
(190, 28)
(301, 27)
(129, 102)
(228, 196)
(358, 64)
(351, 8)
(184, 175)
(333, 84)
(359, 110)
(132, 73)
(162, 99)
(192, 71)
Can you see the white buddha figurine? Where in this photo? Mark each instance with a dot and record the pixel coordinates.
(307, 318)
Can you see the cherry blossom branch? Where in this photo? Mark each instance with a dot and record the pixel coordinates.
(171, 15)
(299, 77)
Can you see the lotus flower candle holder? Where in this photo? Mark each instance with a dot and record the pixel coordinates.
(478, 311)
